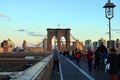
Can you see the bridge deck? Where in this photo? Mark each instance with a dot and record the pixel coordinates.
(70, 71)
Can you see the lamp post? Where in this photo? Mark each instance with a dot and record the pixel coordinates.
(109, 14)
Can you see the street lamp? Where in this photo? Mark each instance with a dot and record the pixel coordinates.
(109, 14)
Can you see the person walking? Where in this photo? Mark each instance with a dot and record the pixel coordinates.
(89, 58)
(55, 60)
(113, 61)
(77, 57)
(119, 66)
(97, 59)
(103, 55)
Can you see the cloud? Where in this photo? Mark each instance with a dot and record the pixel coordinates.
(4, 16)
(21, 30)
(35, 34)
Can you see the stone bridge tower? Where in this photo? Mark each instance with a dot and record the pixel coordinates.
(58, 33)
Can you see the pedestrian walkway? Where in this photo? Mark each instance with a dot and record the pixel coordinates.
(96, 74)
(70, 71)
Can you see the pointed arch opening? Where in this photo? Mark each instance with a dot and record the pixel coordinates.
(63, 44)
(54, 42)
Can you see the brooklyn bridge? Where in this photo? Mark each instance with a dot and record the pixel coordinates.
(35, 64)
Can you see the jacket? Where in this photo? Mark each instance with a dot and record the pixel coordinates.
(55, 55)
(89, 55)
(113, 60)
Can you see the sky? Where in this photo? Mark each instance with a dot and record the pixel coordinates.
(28, 19)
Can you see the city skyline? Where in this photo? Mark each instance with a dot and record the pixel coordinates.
(28, 20)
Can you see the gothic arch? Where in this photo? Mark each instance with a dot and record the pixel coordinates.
(58, 33)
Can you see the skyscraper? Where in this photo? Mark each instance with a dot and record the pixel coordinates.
(24, 45)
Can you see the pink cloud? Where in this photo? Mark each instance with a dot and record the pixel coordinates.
(36, 34)
(21, 30)
(2, 15)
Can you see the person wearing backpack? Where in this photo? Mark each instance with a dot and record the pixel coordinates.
(77, 57)
(113, 61)
(55, 60)
(103, 55)
(97, 59)
(89, 58)
(119, 66)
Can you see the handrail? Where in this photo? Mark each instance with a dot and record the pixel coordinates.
(32, 72)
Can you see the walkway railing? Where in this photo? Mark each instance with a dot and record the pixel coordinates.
(39, 71)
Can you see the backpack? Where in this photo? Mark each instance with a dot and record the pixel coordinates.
(77, 55)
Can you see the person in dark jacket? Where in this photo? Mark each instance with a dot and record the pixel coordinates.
(119, 65)
(103, 55)
(97, 59)
(113, 60)
(55, 60)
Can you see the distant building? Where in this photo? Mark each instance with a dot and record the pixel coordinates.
(95, 45)
(24, 45)
(111, 44)
(10, 43)
(78, 45)
(5, 46)
(88, 43)
(102, 41)
(117, 43)
(34, 49)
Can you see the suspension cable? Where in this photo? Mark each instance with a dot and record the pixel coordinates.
(41, 41)
(73, 37)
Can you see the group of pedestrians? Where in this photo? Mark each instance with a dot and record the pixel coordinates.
(114, 62)
(101, 54)
(101, 57)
